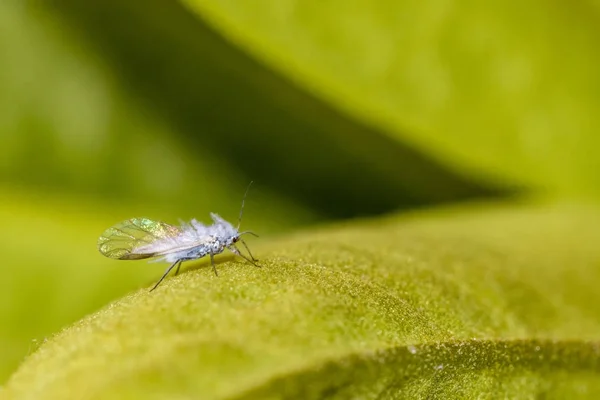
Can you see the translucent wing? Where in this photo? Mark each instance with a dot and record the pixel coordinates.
(135, 238)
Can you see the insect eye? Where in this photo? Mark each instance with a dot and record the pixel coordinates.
(235, 239)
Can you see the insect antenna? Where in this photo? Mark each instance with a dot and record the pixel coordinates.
(243, 201)
(250, 232)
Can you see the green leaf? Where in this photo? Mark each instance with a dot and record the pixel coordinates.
(55, 274)
(79, 154)
(482, 301)
(257, 121)
(68, 127)
(81, 151)
(505, 90)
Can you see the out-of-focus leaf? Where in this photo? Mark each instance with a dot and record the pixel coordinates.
(270, 128)
(67, 126)
(462, 303)
(508, 89)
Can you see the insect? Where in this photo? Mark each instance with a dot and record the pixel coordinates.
(139, 238)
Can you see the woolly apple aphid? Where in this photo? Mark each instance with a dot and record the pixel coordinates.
(138, 238)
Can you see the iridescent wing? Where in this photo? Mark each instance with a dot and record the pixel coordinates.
(132, 239)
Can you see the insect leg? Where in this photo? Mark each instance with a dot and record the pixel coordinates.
(237, 251)
(212, 262)
(248, 249)
(178, 262)
(177, 270)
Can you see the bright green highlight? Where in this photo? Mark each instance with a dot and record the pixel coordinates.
(506, 90)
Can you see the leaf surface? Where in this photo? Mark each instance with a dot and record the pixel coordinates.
(505, 91)
(501, 300)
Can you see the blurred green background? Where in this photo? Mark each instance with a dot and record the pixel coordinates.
(336, 109)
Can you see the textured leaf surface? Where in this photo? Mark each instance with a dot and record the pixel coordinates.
(54, 272)
(485, 300)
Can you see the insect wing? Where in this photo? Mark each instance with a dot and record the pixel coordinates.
(132, 239)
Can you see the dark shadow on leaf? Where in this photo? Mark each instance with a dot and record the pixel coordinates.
(268, 128)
